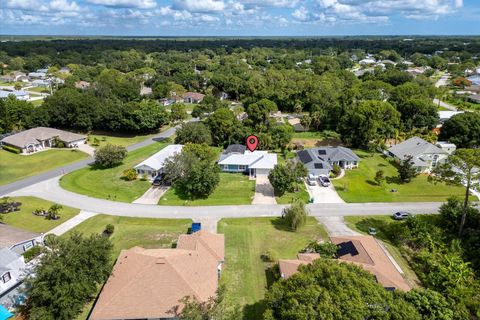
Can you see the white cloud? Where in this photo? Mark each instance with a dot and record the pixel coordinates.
(301, 14)
(199, 5)
(64, 5)
(140, 4)
(271, 3)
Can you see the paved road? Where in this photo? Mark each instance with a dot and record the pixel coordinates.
(444, 104)
(50, 190)
(20, 184)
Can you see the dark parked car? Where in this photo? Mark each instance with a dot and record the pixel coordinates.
(401, 215)
(324, 181)
(159, 180)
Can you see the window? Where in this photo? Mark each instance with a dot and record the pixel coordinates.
(6, 277)
(242, 167)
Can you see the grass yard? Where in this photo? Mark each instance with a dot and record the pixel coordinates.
(25, 219)
(245, 274)
(15, 167)
(37, 103)
(120, 140)
(358, 185)
(39, 89)
(288, 197)
(233, 189)
(130, 232)
(362, 223)
(108, 183)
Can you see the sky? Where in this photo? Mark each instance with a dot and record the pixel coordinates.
(239, 17)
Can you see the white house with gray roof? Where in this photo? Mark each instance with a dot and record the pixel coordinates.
(236, 158)
(40, 138)
(12, 267)
(425, 156)
(153, 166)
(320, 161)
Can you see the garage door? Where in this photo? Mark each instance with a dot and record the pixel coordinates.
(262, 172)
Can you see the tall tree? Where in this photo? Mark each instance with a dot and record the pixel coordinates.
(463, 130)
(67, 277)
(462, 168)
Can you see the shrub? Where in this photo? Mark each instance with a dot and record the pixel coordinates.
(130, 174)
(32, 253)
(96, 142)
(50, 239)
(326, 249)
(109, 156)
(271, 255)
(11, 149)
(109, 229)
(336, 170)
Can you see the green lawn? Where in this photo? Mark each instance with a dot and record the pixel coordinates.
(234, 189)
(361, 224)
(15, 167)
(108, 183)
(301, 194)
(358, 184)
(39, 89)
(247, 239)
(120, 140)
(25, 219)
(130, 232)
(37, 103)
(308, 135)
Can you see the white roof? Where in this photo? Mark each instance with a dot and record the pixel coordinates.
(448, 114)
(156, 161)
(16, 93)
(254, 160)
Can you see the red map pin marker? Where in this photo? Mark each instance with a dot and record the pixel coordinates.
(252, 143)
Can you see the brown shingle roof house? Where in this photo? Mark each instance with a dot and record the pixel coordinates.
(363, 251)
(39, 138)
(148, 283)
(193, 97)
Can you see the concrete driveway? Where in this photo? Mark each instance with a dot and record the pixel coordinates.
(152, 195)
(324, 194)
(263, 191)
(336, 226)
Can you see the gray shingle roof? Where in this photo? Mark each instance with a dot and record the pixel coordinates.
(318, 160)
(7, 256)
(414, 147)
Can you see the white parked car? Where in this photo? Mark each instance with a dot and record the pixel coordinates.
(324, 181)
(311, 181)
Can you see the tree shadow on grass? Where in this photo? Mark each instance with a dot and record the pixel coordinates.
(372, 183)
(184, 196)
(280, 224)
(254, 311)
(393, 180)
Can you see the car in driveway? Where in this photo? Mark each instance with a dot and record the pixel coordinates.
(311, 181)
(159, 180)
(324, 181)
(401, 215)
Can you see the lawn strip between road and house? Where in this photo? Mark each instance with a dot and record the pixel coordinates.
(119, 140)
(289, 197)
(246, 274)
(15, 166)
(25, 219)
(363, 223)
(233, 189)
(358, 184)
(108, 183)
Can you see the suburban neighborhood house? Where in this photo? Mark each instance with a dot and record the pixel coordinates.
(40, 138)
(149, 283)
(153, 166)
(17, 94)
(193, 97)
(320, 161)
(425, 156)
(236, 158)
(363, 251)
(17, 240)
(11, 269)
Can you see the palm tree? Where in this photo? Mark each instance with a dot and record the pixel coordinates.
(53, 212)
